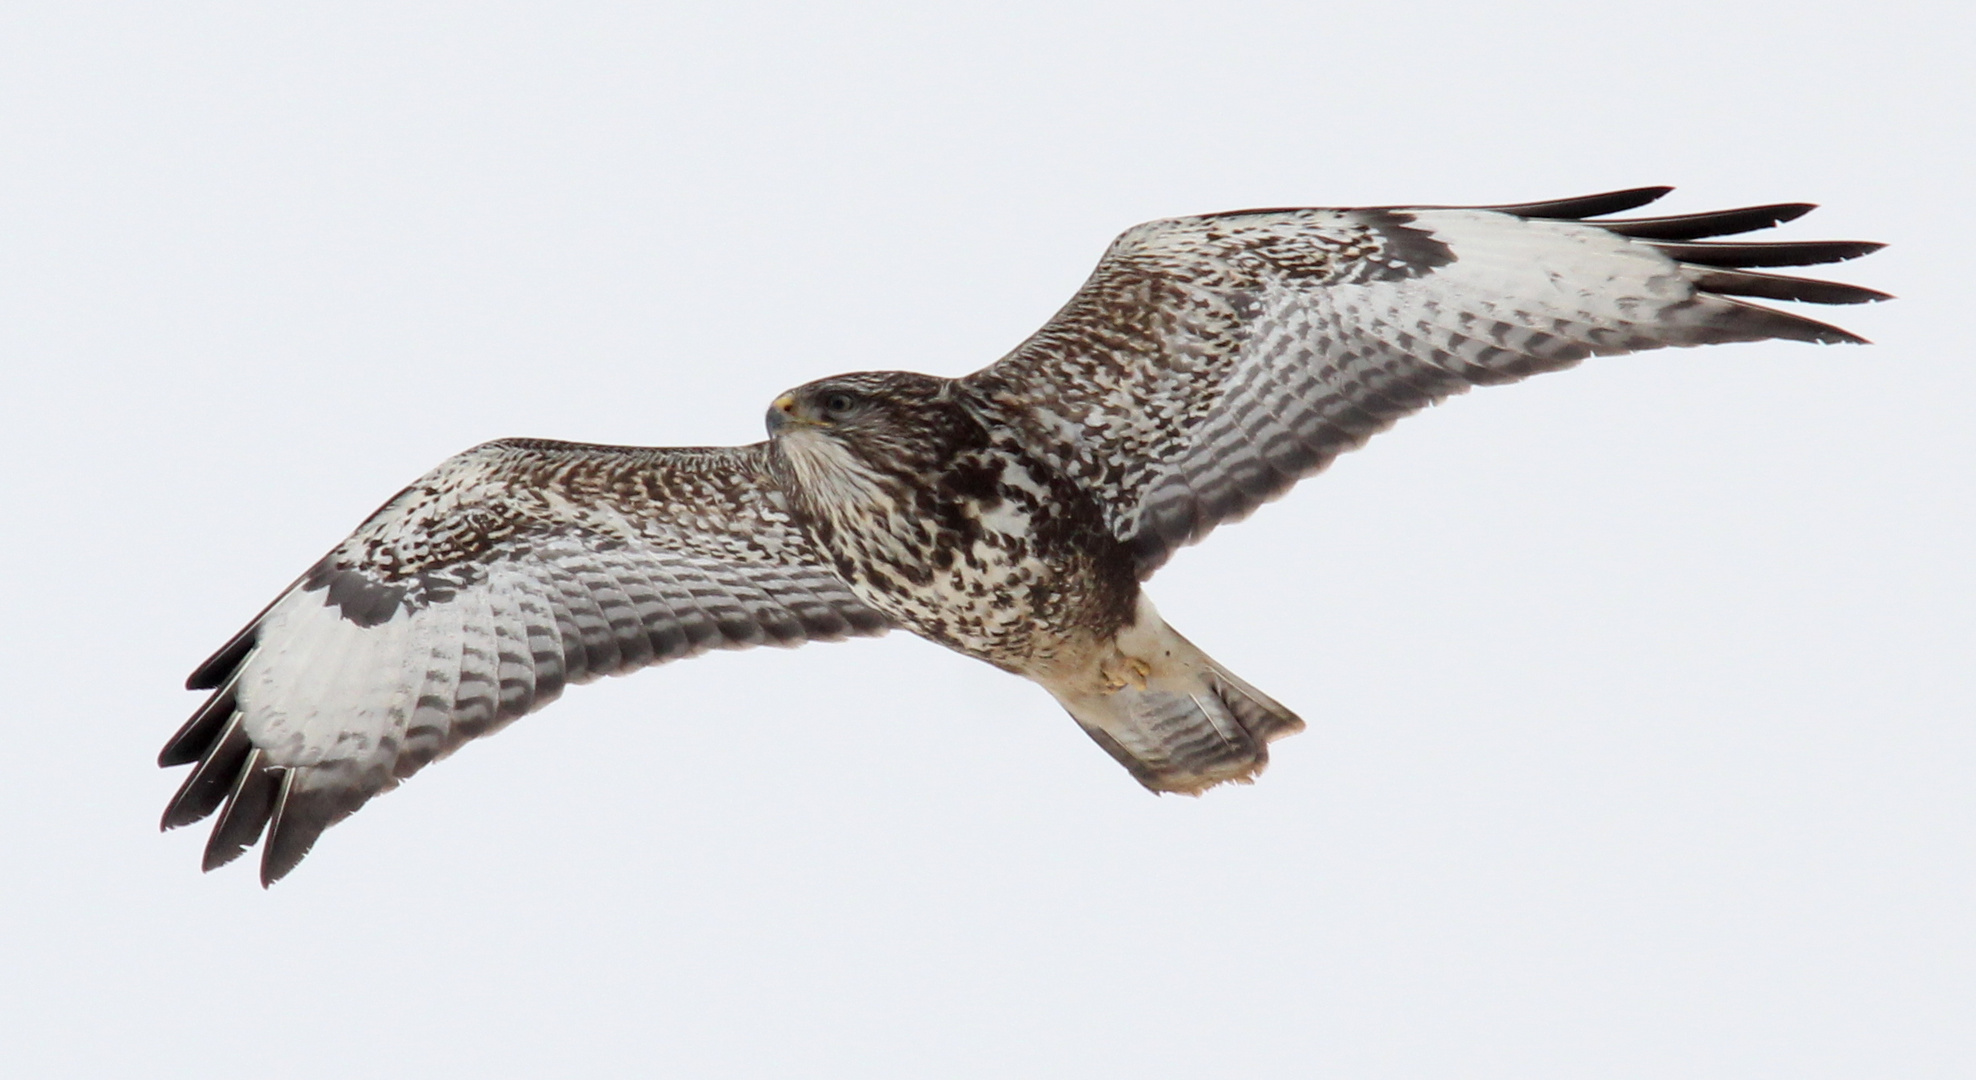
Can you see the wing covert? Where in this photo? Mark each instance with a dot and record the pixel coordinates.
(1211, 362)
(474, 597)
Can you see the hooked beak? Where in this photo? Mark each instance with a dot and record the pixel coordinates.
(782, 414)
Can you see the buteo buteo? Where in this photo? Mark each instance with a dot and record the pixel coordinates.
(1207, 365)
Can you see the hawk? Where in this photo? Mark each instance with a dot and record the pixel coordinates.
(1012, 515)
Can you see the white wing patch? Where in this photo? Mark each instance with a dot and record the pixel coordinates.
(323, 687)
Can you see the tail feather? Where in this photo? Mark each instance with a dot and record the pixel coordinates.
(1177, 742)
(1185, 728)
(1259, 713)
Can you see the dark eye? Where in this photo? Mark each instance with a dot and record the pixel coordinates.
(838, 403)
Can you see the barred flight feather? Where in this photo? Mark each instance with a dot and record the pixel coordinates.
(1238, 401)
(321, 705)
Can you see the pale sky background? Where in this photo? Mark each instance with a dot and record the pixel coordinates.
(1643, 725)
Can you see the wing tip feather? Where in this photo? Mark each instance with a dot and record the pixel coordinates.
(199, 733)
(1697, 226)
(1788, 253)
(217, 667)
(1585, 206)
(245, 815)
(1729, 282)
(302, 811)
(206, 787)
(1744, 321)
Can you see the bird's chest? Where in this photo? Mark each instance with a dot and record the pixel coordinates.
(986, 553)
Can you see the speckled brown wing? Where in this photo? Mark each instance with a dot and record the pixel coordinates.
(472, 598)
(1211, 362)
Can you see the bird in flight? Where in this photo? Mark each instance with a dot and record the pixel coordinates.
(1012, 515)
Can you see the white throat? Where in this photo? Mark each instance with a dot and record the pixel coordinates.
(832, 476)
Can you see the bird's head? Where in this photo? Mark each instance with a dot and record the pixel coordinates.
(849, 428)
(868, 410)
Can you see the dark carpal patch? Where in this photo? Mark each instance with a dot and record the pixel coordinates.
(368, 602)
(1404, 251)
(357, 596)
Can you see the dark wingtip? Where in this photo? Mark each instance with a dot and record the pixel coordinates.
(211, 780)
(1783, 287)
(1754, 322)
(198, 734)
(1585, 206)
(300, 816)
(1712, 223)
(223, 662)
(246, 813)
(1789, 253)
(280, 823)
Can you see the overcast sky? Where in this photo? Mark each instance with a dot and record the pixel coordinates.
(1642, 722)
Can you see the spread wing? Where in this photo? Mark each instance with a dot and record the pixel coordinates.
(474, 597)
(1211, 362)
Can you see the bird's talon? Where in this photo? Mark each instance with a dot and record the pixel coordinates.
(1130, 671)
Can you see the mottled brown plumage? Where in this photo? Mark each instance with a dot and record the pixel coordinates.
(947, 525)
(1207, 365)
